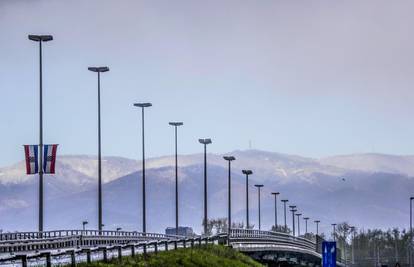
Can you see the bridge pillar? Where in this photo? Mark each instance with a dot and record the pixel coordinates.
(48, 257)
(175, 244)
(88, 255)
(192, 242)
(120, 252)
(133, 250)
(199, 241)
(73, 258)
(24, 260)
(184, 243)
(145, 248)
(166, 245)
(156, 247)
(105, 254)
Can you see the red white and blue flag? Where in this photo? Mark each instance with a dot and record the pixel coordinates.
(49, 158)
(32, 163)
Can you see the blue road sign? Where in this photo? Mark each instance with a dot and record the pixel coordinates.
(329, 254)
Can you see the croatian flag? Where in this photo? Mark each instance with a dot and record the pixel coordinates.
(31, 153)
(49, 158)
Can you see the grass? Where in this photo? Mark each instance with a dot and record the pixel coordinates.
(208, 256)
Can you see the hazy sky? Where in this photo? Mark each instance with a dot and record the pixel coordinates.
(314, 78)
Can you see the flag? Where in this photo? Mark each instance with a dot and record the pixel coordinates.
(31, 154)
(49, 158)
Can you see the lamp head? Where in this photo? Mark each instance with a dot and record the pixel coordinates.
(285, 200)
(142, 105)
(175, 123)
(205, 141)
(98, 69)
(411, 198)
(298, 214)
(40, 38)
(317, 221)
(258, 185)
(275, 193)
(247, 172)
(306, 218)
(229, 158)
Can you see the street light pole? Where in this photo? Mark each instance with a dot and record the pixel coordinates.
(247, 173)
(205, 142)
(144, 221)
(298, 214)
(284, 205)
(317, 226)
(229, 159)
(306, 224)
(275, 194)
(98, 70)
(293, 210)
(84, 223)
(334, 231)
(40, 39)
(176, 124)
(258, 188)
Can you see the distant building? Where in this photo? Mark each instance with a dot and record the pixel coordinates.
(182, 230)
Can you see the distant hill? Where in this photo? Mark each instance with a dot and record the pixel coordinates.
(322, 189)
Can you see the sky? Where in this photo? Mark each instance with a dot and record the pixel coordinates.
(313, 78)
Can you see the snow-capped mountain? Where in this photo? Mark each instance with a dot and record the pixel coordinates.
(325, 189)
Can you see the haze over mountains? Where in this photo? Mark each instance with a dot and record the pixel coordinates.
(367, 190)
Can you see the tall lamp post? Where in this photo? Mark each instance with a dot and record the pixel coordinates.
(275, 194)
(144, 220)
(258, 189)
(317, 226)
(247, 173)
(334, 231)
(298, 214)
(284, 205)
(176, 124)
(293, 210)
(40, 39)
(205, 142)
(98, 70)
(229, 159)
(306, 224)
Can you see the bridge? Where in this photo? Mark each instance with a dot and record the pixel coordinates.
(73, 246)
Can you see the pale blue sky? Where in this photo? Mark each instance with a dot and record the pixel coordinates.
(313, 78)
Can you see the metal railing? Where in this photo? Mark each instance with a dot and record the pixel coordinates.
(72, 246)
(62, 239)
(277, 238)
(104, 253)
(63, 233)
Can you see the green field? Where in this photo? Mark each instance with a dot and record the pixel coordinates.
(209, 256)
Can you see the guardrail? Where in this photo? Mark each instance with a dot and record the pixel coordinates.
(52, 240)
(255, 236)
(63, 233)
(73, 246)
(73, 256)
